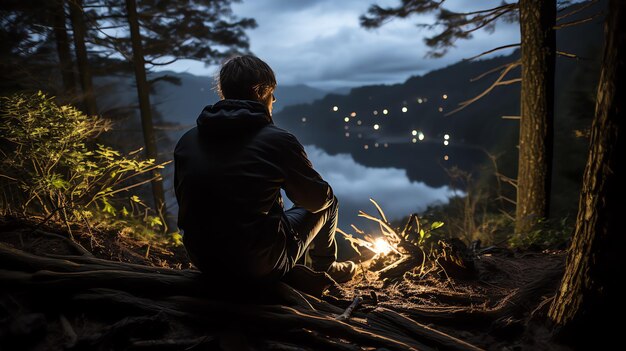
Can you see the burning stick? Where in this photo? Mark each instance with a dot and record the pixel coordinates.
(377, 246)
(346, 314)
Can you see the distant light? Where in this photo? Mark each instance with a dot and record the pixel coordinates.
(414, 140)
(347, 119)
(376, 145)
(360, 135)
(303, 119)
(359, 122)
(414, 132)
(405, 109)
(346, 127)
(353, 114)
(444, 96)
(386, 145)
(335, 108)
(376, 127)
(366, 146)
(446, 157)
(446, 136)
(385, 111)
(445, 142)
(421, 136)
(375, 112)
(347, 134)
(440, 109)
(420, 100)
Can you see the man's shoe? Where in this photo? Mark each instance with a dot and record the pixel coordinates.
(342, 272)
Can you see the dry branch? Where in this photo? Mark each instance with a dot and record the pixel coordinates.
(437, 338)
(497, 82)
(493, 50)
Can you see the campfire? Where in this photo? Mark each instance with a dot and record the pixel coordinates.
(397, 251)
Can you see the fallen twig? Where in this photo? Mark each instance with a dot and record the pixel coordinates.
(346, 314)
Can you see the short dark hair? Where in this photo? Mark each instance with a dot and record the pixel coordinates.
(246, 77)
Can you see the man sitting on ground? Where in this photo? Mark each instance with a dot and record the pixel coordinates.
(229, 171)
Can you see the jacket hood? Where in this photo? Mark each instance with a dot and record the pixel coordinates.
(228, 117)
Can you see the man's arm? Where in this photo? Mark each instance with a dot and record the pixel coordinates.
(303, 185)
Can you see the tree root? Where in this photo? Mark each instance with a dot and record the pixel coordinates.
(166, 309)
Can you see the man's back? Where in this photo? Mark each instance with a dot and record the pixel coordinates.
(229, 172)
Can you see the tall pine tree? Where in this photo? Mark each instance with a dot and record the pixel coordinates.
(589, 304)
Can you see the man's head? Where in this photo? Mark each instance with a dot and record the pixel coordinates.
(247, 78)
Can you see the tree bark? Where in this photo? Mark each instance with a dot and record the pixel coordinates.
(537, 20)
(63, 49)
(78, 26)
(590, 294)
(143, 93)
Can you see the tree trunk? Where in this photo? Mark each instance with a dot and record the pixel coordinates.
(78, 25)
(143, 93)
(537, 20)
(63, 49)
(590, 294)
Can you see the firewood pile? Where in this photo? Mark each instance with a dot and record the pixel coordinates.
(402, 250)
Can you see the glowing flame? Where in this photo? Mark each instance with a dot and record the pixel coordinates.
(381, 246)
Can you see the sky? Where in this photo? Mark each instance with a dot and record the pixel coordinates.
(321, 44)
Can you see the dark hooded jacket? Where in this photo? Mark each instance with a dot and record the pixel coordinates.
(228, 174)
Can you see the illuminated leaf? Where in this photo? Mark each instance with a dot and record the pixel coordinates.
(436, 225)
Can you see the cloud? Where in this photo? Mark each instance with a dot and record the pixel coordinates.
(354, 184)
(323, 45)
(320, 42)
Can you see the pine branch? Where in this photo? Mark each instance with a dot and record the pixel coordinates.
(573, 12)
(493, 50)
(493, 70)
(507, 7)
(570, 55)
(497, 82)
(577, 22)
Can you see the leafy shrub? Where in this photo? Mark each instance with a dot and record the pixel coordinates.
(547, 234)
(52, 166)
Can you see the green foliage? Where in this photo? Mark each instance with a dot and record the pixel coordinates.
(547, 234)
(419, 231)
(176, 238)
(51, 165)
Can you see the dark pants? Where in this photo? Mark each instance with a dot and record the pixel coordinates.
(317, 230)
(275, 260)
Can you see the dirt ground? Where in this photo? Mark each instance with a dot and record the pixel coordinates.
(464, 308)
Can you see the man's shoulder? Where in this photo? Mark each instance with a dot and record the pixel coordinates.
(273, 132)
(190, 134)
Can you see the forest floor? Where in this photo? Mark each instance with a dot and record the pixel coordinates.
(500, 307)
